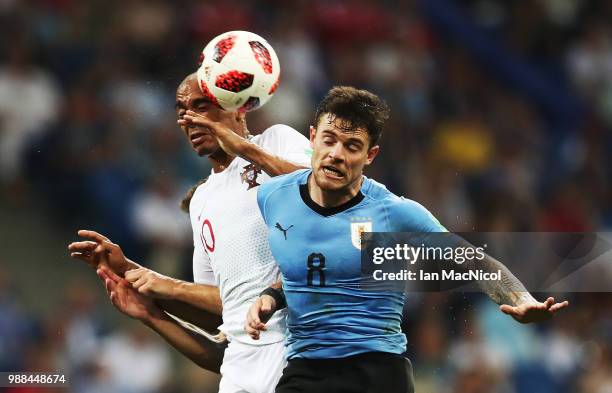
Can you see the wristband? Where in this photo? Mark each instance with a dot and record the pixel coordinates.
(278, 295)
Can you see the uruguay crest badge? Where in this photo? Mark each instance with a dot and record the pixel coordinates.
(359, 226)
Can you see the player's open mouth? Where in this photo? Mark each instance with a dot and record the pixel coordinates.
(332, 172)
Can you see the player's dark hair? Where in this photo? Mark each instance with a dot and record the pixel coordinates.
(355, 109)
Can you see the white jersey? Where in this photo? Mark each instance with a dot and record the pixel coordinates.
(230, 237)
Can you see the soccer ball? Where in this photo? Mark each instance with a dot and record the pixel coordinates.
(239, 71)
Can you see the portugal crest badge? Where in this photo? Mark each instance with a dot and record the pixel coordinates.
(250, 174)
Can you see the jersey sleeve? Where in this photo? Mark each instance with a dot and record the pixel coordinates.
(411, 216)
(202, 269)
(288, 144)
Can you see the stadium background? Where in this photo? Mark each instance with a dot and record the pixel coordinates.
(501, 121)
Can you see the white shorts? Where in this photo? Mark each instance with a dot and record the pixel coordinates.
(252, 369)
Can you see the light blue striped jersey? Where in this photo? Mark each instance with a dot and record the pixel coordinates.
(317, 250)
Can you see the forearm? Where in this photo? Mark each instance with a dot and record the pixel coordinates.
(271, 164)
(198, 304)
(507, 290)
(200, 350)
(204, 297)
(195, 303)
(128, 265)
(189, 313)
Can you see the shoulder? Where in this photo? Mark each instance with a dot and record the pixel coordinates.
(282, 139)
(277, 186)
(280, 182)
(375, 190)
(277, 135)
(402, 205)
(408, 215)
(197, 195)
(200, 187)
(414, 216)
(282, 131)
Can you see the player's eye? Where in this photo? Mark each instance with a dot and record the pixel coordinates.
(201, 106)
(353, 148)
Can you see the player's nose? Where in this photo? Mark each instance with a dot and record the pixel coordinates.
(336, 152)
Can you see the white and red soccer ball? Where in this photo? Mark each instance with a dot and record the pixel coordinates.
(239, 71)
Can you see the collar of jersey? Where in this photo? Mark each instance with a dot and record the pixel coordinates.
(328, 211)
(214, 174)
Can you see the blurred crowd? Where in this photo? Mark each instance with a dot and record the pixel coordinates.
(501, 121)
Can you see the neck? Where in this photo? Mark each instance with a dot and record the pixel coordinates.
(220, 160)
(326, 198)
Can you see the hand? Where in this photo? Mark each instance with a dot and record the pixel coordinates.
(231, 143)
(534, 311)
(126, 299)
(259, 313)
(149, 283)
(97, 250)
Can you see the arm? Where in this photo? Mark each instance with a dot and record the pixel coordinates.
(204, 319)
(508, 292)
(269, 163)
(170, 292)
(236, 145)
(201, 351)
(100, 251)
(511, 294)
(270, 300)
(204, 297)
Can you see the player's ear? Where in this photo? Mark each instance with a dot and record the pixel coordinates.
(312, 135)
(372, 153)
